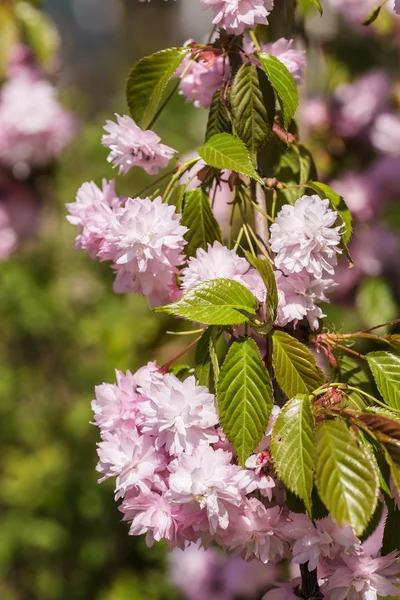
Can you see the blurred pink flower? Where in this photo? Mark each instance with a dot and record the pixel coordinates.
(359, 102)
(34, 128)
(19, 217)
(385, 134)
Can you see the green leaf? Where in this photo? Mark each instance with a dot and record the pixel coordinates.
(40, 32)
(354, 373)
(147, 81)
(225, 151)
(391, 533)
(218, 118)
(215, 302)
(265, 269)
(249, 114)
(283, 83)
(374, 14)
(295, 367)
(385, 367)
(346, 478)
(375, 301)
(245, 397)
(292, 448)
(374, 522)
(296, 167)
(198, 217)
(203, 359)
(338, 204)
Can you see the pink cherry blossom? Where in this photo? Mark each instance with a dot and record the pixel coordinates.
(34, 128)
(92, 212)
(149, 513)
(209, 478)
(220, 262)
(257, 532)
(180, 414)
(298, 297)
(236, 15)
(325, 539)
(210, 573)
(132, 458)
(133, 147)
(200, 79)
(361, 577)
(146, 241)
(118, 404)
(304, 237)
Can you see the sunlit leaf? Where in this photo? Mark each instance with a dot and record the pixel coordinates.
(295, 367)
(292, 448)
(250, 118)
(215, 302)
(225, 151)
(346, 477)
(245, 397)
(198, 217)
(218, 118)
(283, 83)
(147, 81)
(385, 367)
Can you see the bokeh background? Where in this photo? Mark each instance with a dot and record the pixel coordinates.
(63, 330)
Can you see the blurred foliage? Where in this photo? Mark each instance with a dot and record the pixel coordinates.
(64, 331)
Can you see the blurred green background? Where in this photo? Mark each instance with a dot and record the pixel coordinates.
(63, 330)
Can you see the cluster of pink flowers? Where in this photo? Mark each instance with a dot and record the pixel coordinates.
(306, 242)
(34, 128)
(237, 15)
(178, 480)
(142, 238)
(132, 147)
(200, 78)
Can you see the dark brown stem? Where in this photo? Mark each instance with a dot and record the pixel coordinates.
(309, 584)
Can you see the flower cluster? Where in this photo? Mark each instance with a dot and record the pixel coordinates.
(132, 147)
(142, 238)
(202, 77)
(34, 128)
(160, 439)
(306, 242)
(237, 15)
